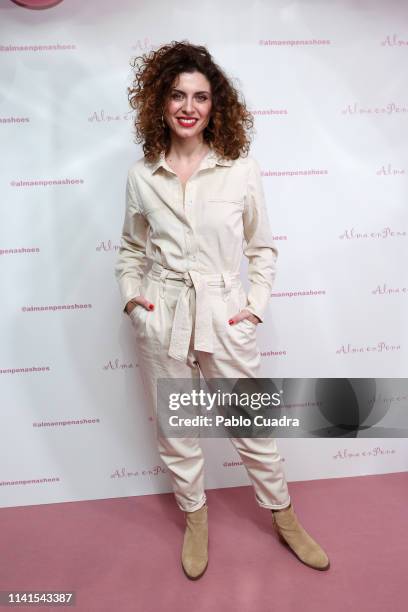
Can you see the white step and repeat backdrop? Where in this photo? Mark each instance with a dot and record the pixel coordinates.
(327, 85)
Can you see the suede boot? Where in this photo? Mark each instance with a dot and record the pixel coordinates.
(291, 533)
(194, 557)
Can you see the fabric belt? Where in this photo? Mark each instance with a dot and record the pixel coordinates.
(182, 322)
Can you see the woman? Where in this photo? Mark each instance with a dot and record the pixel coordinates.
(193, 200)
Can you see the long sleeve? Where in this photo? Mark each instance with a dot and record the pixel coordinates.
(130, 264)
(260, 248)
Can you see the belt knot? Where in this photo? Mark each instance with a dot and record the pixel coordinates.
(187, 279)
(203, 325)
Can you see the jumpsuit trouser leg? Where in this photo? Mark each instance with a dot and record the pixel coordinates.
(235, 355)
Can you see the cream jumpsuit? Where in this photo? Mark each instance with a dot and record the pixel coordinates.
(194, 245)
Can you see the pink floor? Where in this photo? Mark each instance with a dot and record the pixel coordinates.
(123, 555)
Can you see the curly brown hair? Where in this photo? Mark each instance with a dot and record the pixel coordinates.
(230, 125)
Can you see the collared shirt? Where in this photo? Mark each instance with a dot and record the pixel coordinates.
(221, 216)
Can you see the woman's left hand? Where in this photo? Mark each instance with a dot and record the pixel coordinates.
(244, 314)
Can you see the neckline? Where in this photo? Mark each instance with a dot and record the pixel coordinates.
(206, 154)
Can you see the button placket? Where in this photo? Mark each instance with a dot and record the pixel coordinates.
(189, 213)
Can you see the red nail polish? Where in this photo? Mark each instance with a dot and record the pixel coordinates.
(231, 321)
(151, 306)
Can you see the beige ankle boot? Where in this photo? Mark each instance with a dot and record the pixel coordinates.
(291, 532)
(194, 557)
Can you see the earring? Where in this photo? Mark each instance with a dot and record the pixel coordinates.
(163, 124)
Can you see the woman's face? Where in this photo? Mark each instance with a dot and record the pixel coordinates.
(187, 111)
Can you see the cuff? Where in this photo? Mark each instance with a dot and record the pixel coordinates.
(258, 298)
(254, 312)
(126, 299)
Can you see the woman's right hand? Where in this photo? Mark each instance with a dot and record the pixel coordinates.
(138, 300)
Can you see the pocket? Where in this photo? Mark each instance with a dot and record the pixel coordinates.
(245, 331)
(141, 316)
(237, 203)
(249, 323)
(136, 315)
(243, 303)
(228, 200)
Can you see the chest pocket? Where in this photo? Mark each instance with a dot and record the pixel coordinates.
(222, 219)
(221, 201)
